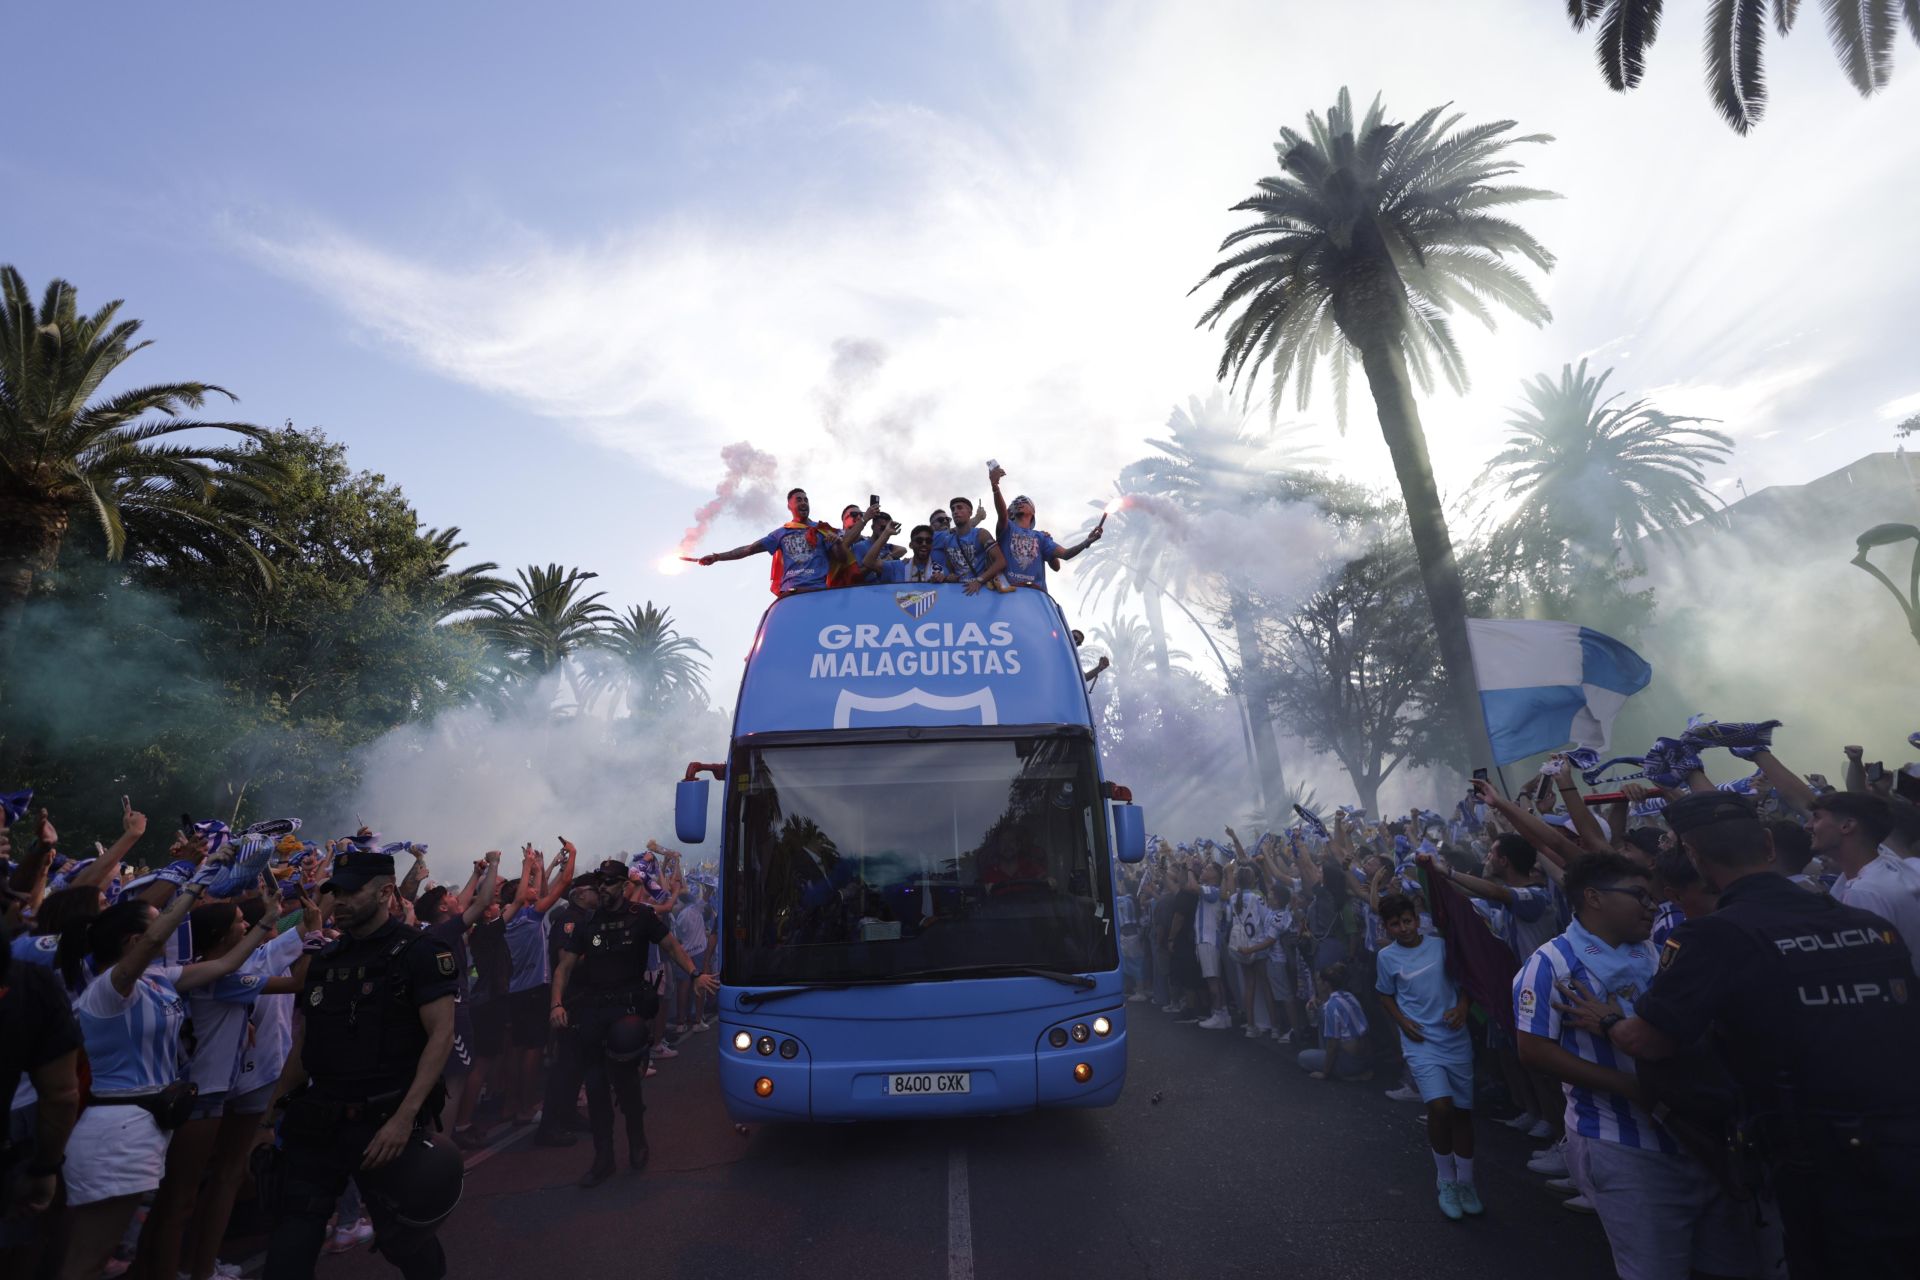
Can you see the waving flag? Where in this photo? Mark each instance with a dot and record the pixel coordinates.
(1547, 685)
(14, 804)
(1476, 957)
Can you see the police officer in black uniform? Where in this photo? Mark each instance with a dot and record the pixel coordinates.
(603, 1007)
(1809, 1004)
(376, 1027)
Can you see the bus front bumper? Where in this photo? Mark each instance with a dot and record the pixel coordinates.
(763, 1087)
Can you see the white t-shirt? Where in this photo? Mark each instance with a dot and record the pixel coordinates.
(272, 1034)
(1890, 888)
(221, 1014)
(1208, 918)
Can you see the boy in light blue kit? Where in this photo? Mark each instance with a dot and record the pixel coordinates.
(1431, 1013)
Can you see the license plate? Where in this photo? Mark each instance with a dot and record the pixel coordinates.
(922, 1083)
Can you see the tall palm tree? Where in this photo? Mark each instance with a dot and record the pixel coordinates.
(1364, 246)
(542, 620)
(65, 452)
(1591, 475)
(1862, 31)
(644, 662)
(1210, 464)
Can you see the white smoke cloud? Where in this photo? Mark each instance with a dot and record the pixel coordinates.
(469, 781)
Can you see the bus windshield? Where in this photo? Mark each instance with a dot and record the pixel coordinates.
(858, 862)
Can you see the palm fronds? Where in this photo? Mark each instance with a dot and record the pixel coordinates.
(1361, 201)
(1862, 33)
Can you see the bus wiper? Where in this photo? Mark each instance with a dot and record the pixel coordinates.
(1078, 982)
(754, 999)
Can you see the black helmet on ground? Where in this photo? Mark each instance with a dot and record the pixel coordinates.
(627, 1039)
(421, 1185)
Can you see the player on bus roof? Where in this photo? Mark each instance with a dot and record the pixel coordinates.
(1030, 552)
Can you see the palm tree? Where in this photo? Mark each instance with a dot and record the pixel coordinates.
(542, 620)
(1862, 31)
(1211, 464)
(1366, 244)
(1132, 652)
(63, 451)
(1590, 475)
(643, 661)
(470, 588)
(1136, 560)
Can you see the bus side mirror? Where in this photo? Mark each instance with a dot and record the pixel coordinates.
(1129, 832)
(690, 811)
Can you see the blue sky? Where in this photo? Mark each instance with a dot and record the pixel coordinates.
(538, 263)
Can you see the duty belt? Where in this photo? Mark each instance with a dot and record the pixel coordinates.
(610, 998)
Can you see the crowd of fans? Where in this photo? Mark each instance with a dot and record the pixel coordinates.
(146, 1021)
(1473, 961)
(951, 546)
(1486, 959)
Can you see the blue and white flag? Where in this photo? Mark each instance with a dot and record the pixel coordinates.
(1547, 685)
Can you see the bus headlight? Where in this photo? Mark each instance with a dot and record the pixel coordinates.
(1102, 1026)
(765, 1046)
(743, 1040)
(789, 1049)
(1080, 1033)
(1057, 1037)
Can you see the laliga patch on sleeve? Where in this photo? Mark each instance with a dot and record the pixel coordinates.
(1669, 951)
(445, 961)
(1526, 1000)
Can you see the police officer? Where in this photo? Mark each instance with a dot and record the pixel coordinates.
(377, 1023)
(603, 1005)
(1808, 1003)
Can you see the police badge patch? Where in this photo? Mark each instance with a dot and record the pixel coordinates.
(445, 961)
(314, 998)
(1669, 951)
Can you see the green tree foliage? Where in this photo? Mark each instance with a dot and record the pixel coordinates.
(1365, 245)
(642, 665)
(209, 687)
(535, 625)
(113, 461)
(1863, 34)
(1351, 666)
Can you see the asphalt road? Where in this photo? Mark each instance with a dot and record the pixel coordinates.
(1243, 1166)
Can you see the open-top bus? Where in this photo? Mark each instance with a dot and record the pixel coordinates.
(916, 874)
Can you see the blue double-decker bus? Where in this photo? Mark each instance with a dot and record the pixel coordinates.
(917, 889)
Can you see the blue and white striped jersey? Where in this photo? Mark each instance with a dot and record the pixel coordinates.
(1341, 1019)
(133, 1043)
(1669, 918)
(1620, 972)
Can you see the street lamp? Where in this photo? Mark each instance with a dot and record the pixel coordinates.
(1883, 535)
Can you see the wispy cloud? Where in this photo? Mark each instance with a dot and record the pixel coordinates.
(1901, 407)
(1025, 264)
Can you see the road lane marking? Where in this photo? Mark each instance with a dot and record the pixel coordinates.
(959, 1217)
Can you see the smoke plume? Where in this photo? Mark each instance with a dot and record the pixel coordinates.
(746, 490)
(471, 780)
